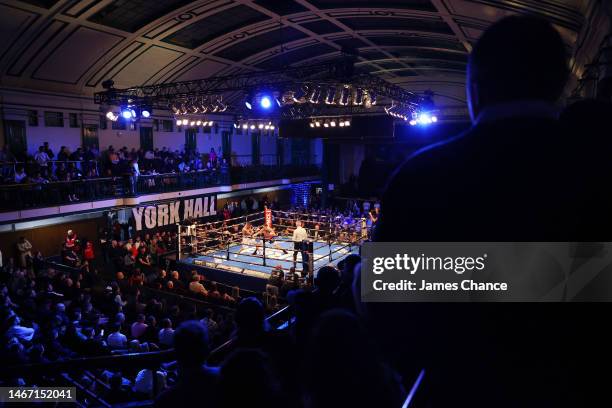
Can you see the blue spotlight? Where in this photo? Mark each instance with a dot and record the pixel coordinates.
(128, 113)
(265, 102)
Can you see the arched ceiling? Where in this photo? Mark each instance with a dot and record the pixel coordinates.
(71, 46)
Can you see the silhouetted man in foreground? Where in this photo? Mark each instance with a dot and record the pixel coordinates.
(505, 179)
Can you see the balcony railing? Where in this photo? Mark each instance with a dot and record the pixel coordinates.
(38, 195)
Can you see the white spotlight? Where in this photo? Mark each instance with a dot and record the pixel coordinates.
(252, 127)
(245, 126)
(332, 123)
(312, 124)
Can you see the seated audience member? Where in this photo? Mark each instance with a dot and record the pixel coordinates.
(195, 379)
(166, 333)
(116, 340)
(196, 287)
(139, 327)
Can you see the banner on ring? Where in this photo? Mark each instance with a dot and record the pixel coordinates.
(173, 212)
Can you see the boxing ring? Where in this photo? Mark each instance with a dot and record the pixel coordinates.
(224, 253)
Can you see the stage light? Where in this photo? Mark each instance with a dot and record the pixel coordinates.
(271, 127)
(265, 102)
(345, 94)
(235, 126)
(370, 99)
(412, 122)
(315, 95)
(434, 119)
(185, 122)
(317, 123)
(198, 122)
(312, 124)
(341, 124)
(252, 127)
(179, 122)
(145, 113)
(267, 127)
(110, 116)
(358, 97)
(127, 114)
(424, 119)
(300, 95)
(248, 105)
(332, 123)
(331, 95)
(326, 124)
(245, 126)
(260, 126)
(192, 123)
(347, 123)
(210, 123)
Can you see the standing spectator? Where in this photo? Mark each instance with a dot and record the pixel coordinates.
(48, 150)
(212, 157)
(25, 251)
(89, 253)
(41, 157)
(63, 154)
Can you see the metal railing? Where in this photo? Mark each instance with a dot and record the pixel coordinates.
(38, 195)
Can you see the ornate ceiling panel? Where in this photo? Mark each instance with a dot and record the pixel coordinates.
(73, 45)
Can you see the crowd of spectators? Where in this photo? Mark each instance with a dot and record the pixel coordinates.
(112, 299)
(54, 312)
(88, 163)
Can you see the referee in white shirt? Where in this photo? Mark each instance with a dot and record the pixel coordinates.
(299, 235)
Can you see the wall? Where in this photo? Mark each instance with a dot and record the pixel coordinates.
(16, 103)
(49, 239)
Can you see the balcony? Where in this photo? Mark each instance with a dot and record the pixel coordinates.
(19, 197)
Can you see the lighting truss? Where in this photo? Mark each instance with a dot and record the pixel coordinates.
(219, 94)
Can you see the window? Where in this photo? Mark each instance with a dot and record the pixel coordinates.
(54, 119)
(32, 118)
(167, 126)
(103, 123)
(73, 120)
(90, 136)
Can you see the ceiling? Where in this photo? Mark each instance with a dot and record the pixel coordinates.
(71, 46)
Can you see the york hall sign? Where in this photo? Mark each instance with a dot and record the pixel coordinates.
(174, 212)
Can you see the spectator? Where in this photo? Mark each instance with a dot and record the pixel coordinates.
(139, 327)
(191, 345)
(25, 251)
(116, 340)
(196, 287)
(166, 333)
